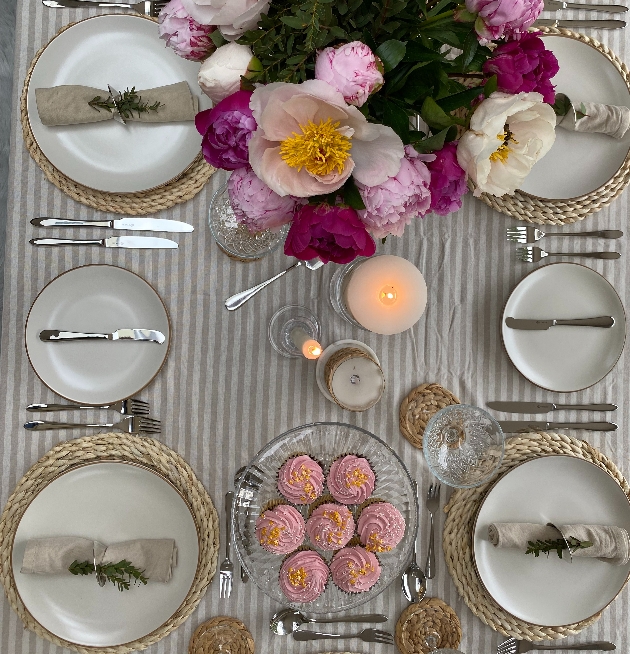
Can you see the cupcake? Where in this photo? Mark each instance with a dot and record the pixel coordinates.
(303, 576)
(330, 527)
(301, 480)
(280, 530)
(351, 480)
(354, 569)
(381, 527)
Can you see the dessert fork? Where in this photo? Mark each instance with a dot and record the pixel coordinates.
(130, 425)
(530, 234)
(130, 407)
(533, 254)
(367, 636)
(513, 646)
(433, 505)
(226, 569)
(148, 7)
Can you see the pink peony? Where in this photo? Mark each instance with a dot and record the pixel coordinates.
(185, 35)
(391, 205)
(503, 18)
(226, 131)
(255, 204)
(232, 17)
(448, 181)
(332, 233)
(352, 69)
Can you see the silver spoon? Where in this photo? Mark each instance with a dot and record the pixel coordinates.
(286, 621)
(414, 583)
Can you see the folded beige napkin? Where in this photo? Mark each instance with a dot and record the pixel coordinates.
(600, 118)
(610, 544)
(157, 557)
(68, 105)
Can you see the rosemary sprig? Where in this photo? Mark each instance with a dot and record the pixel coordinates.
(538, 546)
(129, 102)
(120, 574)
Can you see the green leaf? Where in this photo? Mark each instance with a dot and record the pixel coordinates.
(490, 86)
(217, 38)
(438, 7)
(417, 52)
(292, 21)
(391, 53)
(470, 48)
(562, 105)
(434, 116)
(397, 118)
(351, 195)
(433, 143)
(463, 99)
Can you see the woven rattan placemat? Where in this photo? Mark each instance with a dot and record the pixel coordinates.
(457, 538)
(114, 447)
(221, 634)
(178, 190)
(419, 620)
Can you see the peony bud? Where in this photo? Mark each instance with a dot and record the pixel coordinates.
(220, 75)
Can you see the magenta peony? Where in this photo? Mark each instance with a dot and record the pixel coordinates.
(448, 181)
(352, 69)
(503, 18)
(332, 233)
(226, 130)
(185, 35)
(255, 204)
(524, 65)
(390, 206)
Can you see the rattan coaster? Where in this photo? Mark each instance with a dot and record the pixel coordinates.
(457, 537)
(222, 634)
(418, 407)
(429, 616)
(178, 190)
(148, 452)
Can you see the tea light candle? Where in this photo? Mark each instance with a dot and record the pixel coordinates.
(310, 348)
(354, 379)
(386, 294)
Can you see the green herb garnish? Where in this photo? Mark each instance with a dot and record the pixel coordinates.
(546, 546)
(129, 102)
(120, 574)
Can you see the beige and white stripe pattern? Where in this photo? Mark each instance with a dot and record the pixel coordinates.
(224, 392)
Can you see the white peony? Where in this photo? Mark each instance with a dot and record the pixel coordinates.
(232, 17)
(220, 74)
(508, 135)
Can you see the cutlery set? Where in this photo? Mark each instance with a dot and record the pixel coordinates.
(598, 23)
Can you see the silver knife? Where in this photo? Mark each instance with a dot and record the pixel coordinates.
(54, 335)
(147, 224)
(557, 5)
(111, 242)
(512, 426)
(521, 323)
(570, 24)
(545, 407)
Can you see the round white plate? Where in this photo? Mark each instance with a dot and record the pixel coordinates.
(580, 163)
(97, 298)
(124, 51)
(564, 359)
(546, 591)
(109, 502)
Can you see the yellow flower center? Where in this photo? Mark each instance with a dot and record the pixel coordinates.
(319, 148)
(502, 152)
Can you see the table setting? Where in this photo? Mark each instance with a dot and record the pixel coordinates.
(323, 377)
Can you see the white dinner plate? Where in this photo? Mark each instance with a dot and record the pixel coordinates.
(547, 591)
(97, 298)
(564, 359)
(579, 163)
(123, 51)
(110, 503)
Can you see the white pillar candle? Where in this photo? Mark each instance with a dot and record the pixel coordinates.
(386, 294)
(309, 347)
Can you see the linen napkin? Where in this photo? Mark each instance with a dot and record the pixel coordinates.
(157, 557)
(68, 105)
(601, 118)
(610, 544)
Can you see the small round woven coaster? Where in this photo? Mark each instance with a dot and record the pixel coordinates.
(457, 535)
(418, 407)
(427, 617)
(221, 634)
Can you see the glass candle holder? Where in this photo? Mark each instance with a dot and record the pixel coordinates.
(294, 331)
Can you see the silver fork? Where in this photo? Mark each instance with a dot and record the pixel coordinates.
(226, 570)
(254, 481)
(130, 425)
(130, 407)
(528, 234)
(148, 7)
(433, 504)
(557, 5)
(513, 646)
(367, 636)
(533, 254)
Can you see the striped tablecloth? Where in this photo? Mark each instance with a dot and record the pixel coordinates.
(224, 392)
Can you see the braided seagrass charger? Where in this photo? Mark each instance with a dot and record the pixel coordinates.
(181, 189)
(114, 447)
(221, 633)
(457, 537)
(419, 620)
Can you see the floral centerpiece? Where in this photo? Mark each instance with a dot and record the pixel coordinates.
(348, 119)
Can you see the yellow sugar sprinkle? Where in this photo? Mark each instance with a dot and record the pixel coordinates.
(297, 577)
(355, 478)
(271, 536)
(375, 544)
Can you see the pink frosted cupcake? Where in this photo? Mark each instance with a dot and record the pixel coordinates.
(351, 480)
(330, 527)
(301, 480)
(381, 527)
(303, 576)
(280, 530)
(355, 570)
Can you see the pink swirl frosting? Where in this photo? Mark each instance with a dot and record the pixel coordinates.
(351, 480)
(330, 527)
(303, 576)
(280, 530)
(381, 527)
(301, 480)
(355, 570)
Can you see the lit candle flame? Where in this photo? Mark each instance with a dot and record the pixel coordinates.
(388, 295)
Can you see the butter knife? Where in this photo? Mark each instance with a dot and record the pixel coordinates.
(545, 407)
(512, 426)
(571, 24)
(558, 5)
(147, 224)
(111, 242)
(54, 335)
(522, 323)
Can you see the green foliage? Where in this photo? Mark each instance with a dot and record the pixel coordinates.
(129, 102)
(557, 546)
(120, 574)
